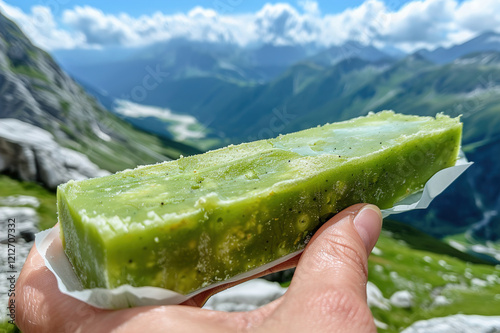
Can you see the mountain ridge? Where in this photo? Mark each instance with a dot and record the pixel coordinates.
(485, 42)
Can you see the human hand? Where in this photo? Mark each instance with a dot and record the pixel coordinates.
(327, 293)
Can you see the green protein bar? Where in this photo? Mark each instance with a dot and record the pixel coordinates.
(187, 224)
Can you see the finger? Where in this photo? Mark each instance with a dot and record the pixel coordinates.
(337, 254)
(41, 307)
(329, 284)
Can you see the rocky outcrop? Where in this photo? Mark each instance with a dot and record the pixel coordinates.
(246, 296)
(375, 298)
(456, 324)
(35, 90)
(31, 154)
(402, 299)
(26, 220)
(255, 293)
(21, 211)
(19, 200)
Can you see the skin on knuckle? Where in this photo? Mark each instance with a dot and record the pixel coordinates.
(30, 316)
(36, 312)
(340, 308)
(246, 322)
(322, 310)
(341, 302)
(340, 250)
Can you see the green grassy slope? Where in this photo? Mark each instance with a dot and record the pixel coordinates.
(47, 214)
(470, 288)
(419, 240)
(407, 259)
(47, 209)
(5, 327)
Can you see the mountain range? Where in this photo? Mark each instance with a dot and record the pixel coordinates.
(486, 42)
(183, 58)
(237, 96)
(352, 77)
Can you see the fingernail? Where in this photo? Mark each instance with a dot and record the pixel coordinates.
(368, 223)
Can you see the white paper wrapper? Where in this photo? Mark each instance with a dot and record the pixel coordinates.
(127, 296)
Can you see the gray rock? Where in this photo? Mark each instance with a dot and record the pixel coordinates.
(31, 154)
(20, 200)
(15, 251)
(457, 324)
(402, 299)
(441, 300)
(475, 282)
(255, 293)
(22, 249)
(376, 298)
(246, 296)
(380, 324)
(26, 218)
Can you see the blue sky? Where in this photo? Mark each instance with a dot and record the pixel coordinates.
(404, 24)
(148, 7)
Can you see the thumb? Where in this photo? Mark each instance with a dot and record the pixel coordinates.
(331, 275)
(337, 254)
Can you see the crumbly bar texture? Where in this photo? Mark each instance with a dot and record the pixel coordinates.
(199, 220)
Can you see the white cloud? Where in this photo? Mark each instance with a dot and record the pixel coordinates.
(198, 24)
(282, 24)
(41, 27)
(420, 24)
(420, 21)
(310, 7)
(101, 29)
(423, 23)
(479, 15)
(360, 23)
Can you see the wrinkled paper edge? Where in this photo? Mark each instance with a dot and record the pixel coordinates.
(127, 296)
